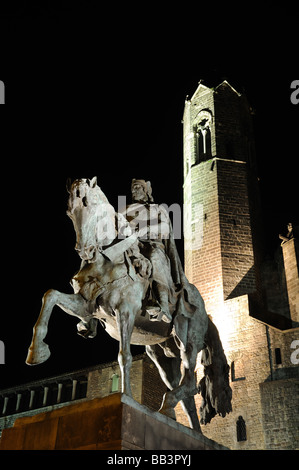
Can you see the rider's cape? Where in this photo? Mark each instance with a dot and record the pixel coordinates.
(184, 292)
(188, 299)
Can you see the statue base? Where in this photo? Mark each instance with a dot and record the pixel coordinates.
(116, 422)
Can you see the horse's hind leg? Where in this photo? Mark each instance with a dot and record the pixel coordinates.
(187, 388)
(167, 360)
(188, 405)
(74, 304)
(181, 388)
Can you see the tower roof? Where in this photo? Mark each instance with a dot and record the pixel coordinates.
(202, 89)
(226, 84)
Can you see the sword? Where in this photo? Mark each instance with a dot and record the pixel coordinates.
(114, 251)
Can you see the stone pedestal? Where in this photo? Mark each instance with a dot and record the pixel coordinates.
(115, 422)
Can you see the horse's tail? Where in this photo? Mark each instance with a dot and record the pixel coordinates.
(214, 386)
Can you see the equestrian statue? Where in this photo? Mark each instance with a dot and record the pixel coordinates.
(131, 280)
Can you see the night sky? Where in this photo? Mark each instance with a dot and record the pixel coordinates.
(97, 92)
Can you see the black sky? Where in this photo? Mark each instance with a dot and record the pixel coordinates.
(96, 92)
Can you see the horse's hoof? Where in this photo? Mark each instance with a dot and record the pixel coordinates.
(38, 355)
(169, 402)
(165, 411)
(87, 329)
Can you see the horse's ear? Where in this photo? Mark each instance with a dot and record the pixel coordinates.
(68, 185)
(93, 182)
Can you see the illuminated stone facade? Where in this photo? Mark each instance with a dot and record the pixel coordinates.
(253, 301)
(224, 259)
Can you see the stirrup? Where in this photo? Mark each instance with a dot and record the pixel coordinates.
(157, 314)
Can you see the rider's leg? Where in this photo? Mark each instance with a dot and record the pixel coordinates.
(162, 296)
(160, 311)
(161, 281)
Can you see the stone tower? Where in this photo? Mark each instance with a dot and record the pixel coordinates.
(224, 259)
(221, 205)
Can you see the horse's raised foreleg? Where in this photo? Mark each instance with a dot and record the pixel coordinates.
(73, 304)
(125, 323)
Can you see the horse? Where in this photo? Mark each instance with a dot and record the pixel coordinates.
(112, 287)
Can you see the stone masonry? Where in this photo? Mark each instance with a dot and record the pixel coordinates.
(253, 302)
(291, 261)
(224, 259)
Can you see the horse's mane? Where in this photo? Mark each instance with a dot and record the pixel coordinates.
(101, 195)
(78, 192)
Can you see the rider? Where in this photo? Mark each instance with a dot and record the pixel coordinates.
(151, 222)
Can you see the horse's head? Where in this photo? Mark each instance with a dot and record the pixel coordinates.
(93, 217)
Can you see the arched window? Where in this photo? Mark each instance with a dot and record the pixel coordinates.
(114, 383)
(203, 140)
(241, 429)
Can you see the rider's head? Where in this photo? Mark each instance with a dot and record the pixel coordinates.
(141, 191)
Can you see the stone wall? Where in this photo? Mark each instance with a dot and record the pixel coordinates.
(291, 262)
(264, 382)
(100, 380)
(224, 259)
(202, 261)
(153, 388)
(280, 414)
(284, 347)
(147, 386)
(245, 344)
(237, 256)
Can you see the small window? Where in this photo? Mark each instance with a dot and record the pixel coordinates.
(241, 429)
(278, 356)
(114, 383)
(203, 144)
(237, 371)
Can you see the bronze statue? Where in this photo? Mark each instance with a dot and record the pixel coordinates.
(289, 235)
(118, 285)
(152, 225)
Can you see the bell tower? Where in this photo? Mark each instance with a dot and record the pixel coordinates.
(220, 195)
